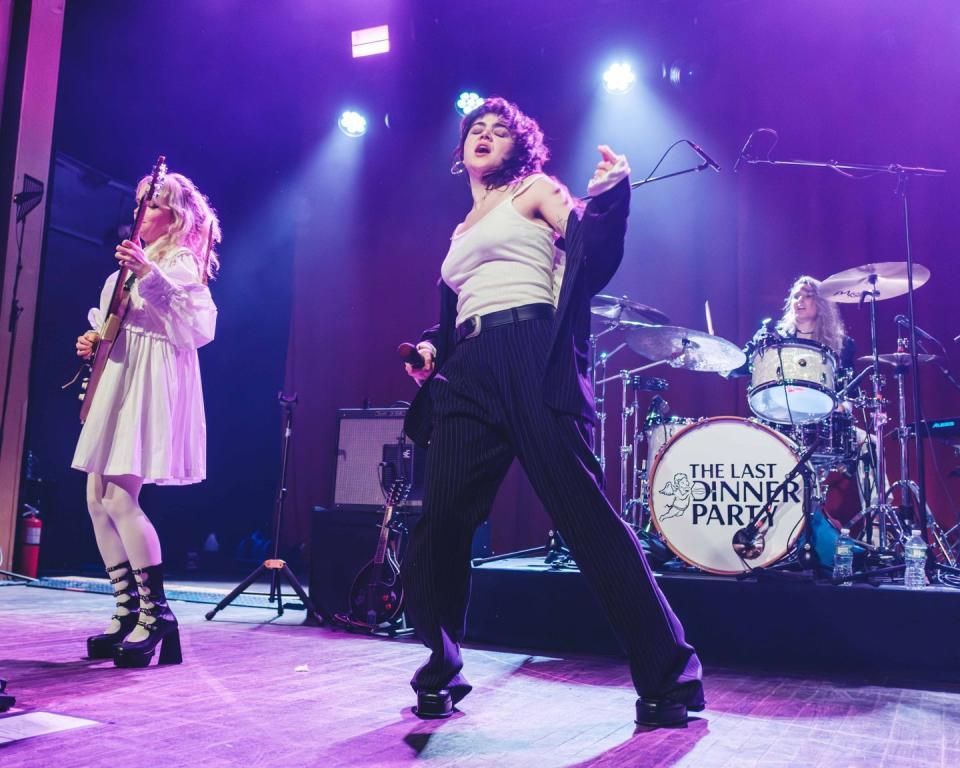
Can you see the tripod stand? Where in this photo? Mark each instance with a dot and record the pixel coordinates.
(276, 567)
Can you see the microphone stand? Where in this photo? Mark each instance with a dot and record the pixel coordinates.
(744, 540)
(902, 173)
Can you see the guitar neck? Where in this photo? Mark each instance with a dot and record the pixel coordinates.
(384, 536)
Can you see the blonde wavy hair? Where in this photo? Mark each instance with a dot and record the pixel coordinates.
(195, 224)
(829, 329)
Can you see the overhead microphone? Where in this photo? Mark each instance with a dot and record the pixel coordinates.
(746, 145)
(703, 155)
(902, 320)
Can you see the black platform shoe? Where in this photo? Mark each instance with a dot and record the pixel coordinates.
(665, 713)
(104, 645)
(433, 705)
(163, 628)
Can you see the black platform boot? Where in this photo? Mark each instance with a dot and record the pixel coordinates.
(157, 618)
(103, 646)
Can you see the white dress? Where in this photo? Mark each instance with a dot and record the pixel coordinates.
(147, 415)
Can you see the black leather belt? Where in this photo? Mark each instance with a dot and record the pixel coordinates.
(473, 325)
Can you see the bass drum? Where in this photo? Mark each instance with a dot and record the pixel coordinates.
(712, 479)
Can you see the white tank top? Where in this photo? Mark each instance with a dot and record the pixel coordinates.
(504, 260)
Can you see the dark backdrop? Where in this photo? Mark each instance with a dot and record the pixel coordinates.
(332, 246)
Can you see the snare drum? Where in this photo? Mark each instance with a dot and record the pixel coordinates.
(793, 381)
(712, 479)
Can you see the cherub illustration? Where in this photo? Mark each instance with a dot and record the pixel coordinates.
(682, 491)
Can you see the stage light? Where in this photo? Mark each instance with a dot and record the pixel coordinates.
(619, 77)
(370, 41)
(352, 123)
(678, 73)
(468, 101)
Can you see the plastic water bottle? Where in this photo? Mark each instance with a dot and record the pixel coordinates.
(915, 557)
(843, 556)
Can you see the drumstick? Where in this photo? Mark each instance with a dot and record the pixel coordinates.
(706, 309)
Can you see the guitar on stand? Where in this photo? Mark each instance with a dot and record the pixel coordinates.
(92, 370)
(376, 597)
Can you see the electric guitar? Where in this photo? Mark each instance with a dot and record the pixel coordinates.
(376, 597)
(119, 301)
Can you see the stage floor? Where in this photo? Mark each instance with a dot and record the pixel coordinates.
(254, 691)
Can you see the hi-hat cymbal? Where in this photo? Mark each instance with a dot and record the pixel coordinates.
(883, 280)
(621, 308)
(685, 348)
(898, 359)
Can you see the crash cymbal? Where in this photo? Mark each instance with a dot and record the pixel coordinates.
(898, 359)
(887, 279)
(685, 348)
(621, 308)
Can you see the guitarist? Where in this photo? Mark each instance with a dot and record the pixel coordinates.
(146, 421)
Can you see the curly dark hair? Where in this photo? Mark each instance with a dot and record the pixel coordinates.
(529, 152)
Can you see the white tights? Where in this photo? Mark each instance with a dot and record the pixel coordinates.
(122, 530)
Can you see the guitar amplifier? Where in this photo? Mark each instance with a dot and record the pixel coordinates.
(372, 451)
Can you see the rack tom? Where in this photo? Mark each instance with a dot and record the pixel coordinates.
(793, 381)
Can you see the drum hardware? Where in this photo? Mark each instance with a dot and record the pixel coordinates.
(680, 348)
(880, 281)
(750, 541)
(614, 313)
(909, 490)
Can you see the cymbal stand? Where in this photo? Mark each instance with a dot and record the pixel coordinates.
(626, 449)
(909, 490)
(882, 512)
(599, 395)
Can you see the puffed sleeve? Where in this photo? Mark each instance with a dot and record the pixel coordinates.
(182, 302)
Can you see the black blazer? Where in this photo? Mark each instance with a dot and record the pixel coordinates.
(594, 250)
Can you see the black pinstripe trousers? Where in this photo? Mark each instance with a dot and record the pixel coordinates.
(488, 408)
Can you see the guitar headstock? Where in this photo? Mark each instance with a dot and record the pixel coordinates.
(399, 489)
(158, 175)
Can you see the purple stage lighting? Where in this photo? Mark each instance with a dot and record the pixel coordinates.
(370, 41)
(468, 101)
(352, 123)
(619, 77)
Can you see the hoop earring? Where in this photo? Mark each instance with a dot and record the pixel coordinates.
(457, 168)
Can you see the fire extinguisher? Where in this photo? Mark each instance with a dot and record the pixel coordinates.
(28, 542)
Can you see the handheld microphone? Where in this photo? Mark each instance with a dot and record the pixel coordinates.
(703, 155)
(409, 354)
(902, 320)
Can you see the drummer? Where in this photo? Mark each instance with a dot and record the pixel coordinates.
(807, 315)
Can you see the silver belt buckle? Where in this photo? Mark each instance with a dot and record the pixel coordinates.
(476, 327)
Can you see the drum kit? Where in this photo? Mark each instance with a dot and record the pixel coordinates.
(730, 495)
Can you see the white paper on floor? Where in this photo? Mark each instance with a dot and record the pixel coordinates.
(29, 724)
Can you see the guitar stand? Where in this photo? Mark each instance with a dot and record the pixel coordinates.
(274, 566)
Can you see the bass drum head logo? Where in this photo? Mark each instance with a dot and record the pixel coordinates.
(715, 478)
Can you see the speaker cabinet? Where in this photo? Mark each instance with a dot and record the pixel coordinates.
(371, 452)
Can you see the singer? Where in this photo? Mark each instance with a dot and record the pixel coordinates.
(504, 377)
(146, 423)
